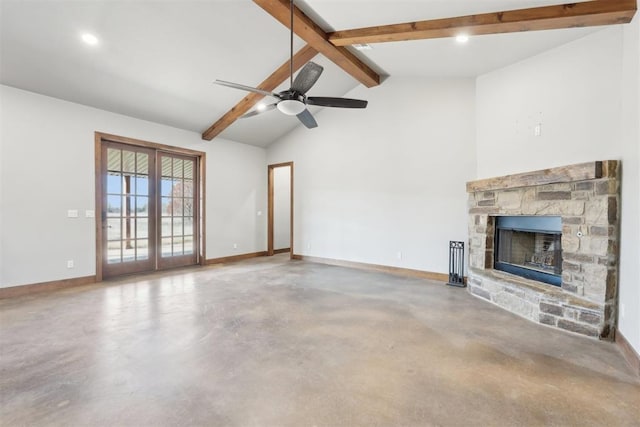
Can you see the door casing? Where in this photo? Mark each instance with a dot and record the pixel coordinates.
(270, 207)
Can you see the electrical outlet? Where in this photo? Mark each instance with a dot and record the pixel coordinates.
(308, 245)
(235, 246)
(70, 263)
(399, 255)
(621, 310)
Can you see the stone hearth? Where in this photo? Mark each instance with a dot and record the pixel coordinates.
(586, 197)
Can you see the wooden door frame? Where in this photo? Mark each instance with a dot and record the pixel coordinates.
(99, 138)
(270, 207)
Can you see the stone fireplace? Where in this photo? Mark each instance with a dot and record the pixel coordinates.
(544, 245)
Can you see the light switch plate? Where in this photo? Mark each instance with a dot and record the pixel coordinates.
(89, 213)
(72, 213)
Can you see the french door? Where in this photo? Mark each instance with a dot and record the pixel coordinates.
(178, 202)
(149, 209)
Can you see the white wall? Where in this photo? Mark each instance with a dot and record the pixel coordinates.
(47, 167)
(585, 94)
(391, 178)
(630, 241)
(1, 187)
(282, 207)
(574, 91)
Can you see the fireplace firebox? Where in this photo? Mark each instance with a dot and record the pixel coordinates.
(530, 247)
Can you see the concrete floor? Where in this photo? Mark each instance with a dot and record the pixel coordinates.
(272, 342)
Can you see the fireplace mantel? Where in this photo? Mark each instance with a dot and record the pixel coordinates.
(578, 172)
(586, 197)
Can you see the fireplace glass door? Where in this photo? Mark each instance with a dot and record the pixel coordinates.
(531, 253)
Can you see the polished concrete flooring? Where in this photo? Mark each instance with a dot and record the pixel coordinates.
(272, 342)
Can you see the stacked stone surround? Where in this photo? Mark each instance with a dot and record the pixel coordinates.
(587, 198)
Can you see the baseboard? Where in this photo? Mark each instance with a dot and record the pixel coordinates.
(629, 353)
(282, 251)
(407, 272)
(234, 258)
(22, 290)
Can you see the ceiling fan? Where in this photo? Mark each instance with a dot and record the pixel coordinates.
(294, 101)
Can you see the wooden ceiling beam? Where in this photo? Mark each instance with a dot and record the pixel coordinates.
(332, 45)
(270, 84)
(569, 15)
(311, 33)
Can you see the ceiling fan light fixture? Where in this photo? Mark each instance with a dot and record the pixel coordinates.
(291, 107)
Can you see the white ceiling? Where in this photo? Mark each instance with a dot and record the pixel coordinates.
(157, 59)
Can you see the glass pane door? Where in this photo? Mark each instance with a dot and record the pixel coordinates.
(128, 209)
(177, 210)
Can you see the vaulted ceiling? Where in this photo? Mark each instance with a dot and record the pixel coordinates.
(156, 60)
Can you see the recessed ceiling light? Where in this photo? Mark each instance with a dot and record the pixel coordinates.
(363, 46)
(89, 39)
(462, 38)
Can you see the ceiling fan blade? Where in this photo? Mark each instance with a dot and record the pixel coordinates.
(247, 88)
(259, 110)
(323, 101)
(307, 77)
(307, 119)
